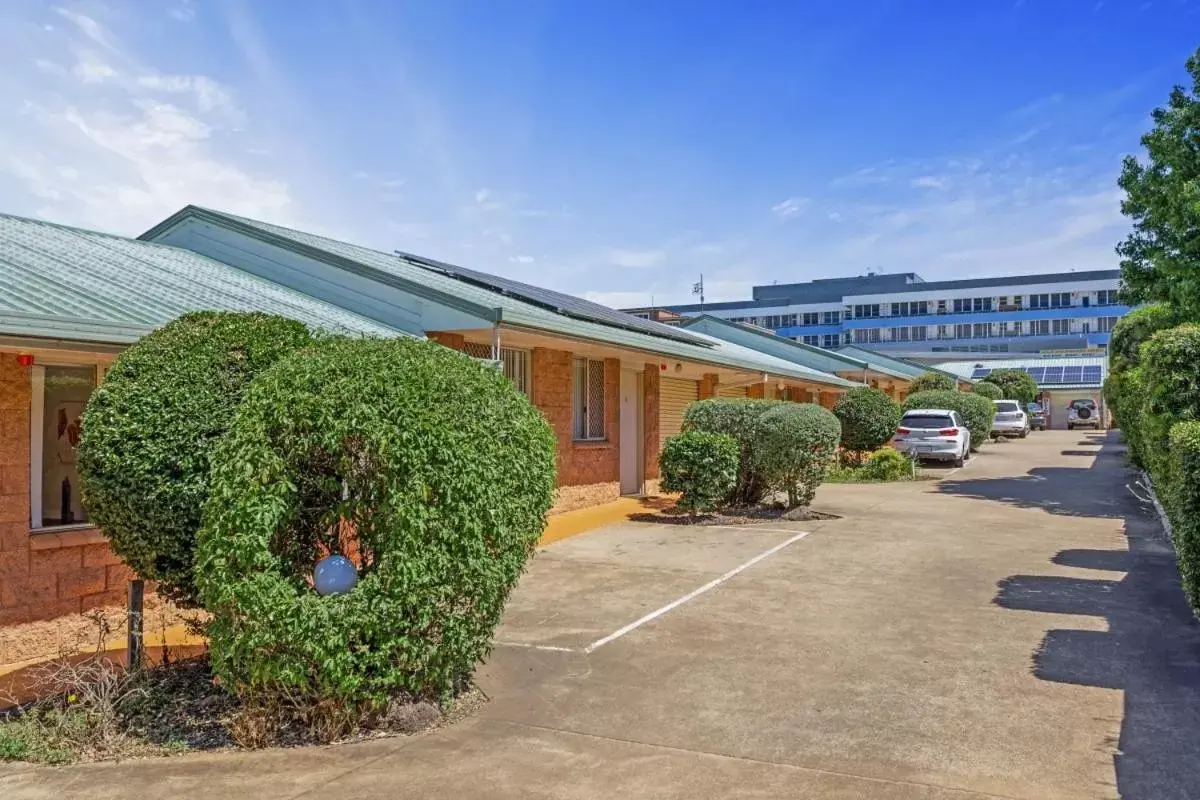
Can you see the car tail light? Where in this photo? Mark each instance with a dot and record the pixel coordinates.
(948, 432)
(903, 431)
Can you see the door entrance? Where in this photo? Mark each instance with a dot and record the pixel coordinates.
(632, 472)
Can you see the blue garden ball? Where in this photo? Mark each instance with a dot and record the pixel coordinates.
(334, 575)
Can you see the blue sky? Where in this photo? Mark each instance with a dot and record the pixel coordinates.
(610, 149)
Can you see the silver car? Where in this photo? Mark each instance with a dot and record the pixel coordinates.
(933, 433)
(1009, 420)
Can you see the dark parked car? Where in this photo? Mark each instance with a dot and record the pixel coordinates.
(1037, 416)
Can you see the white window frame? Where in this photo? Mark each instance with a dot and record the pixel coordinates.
(581, 427)
(37, 420)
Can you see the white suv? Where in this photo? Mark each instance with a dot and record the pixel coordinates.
(1010, 420)
(934, 433)
(1083, 414)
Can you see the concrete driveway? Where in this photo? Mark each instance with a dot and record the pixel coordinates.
(1014, 631)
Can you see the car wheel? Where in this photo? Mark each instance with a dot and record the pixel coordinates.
(1070, 427)
(1023, 434)
(961, 459)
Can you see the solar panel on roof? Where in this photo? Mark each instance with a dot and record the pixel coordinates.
(1072, 374)
(1091, 374)
(1053, 375)
(980, 372)
(1037, 373)
(560, 303)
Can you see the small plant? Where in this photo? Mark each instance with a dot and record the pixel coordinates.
(868, 418)
(933, 382)
(977, 411)
(799, 444)
(1015, 384)
(988, 389)
(701, 466)
(149, 429)
(888, 465)
(741, 419)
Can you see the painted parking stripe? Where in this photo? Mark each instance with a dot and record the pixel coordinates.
(653, 615)
(529, 646)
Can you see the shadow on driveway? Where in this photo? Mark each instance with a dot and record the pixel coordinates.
(1151, 649)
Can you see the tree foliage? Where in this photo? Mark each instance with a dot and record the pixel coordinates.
(799, 443)
(933, 382)
(701, 466)
(1015, 384)
(976, 410)
(428, 468)
(1136, 327)
(1160, 259)
(868, 418)
(988, 389)
(149, 429)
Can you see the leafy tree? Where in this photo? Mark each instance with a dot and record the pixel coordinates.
(1015, 384)
(1160, 259)
(868, 418)
(933, 382)
(799, 443)
(150, 427)
(988, 389)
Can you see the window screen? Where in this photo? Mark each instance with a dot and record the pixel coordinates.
(588, 386)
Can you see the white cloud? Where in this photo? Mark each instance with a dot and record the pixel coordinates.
(521, 259)
(636, 259)
(792, 207)
(184, 11)
(100, 148)
(928, 182)
(834, 216)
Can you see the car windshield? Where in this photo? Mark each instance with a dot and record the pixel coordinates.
(1082, 403)
(926, 421)
(1006, 406)
(1034, 408)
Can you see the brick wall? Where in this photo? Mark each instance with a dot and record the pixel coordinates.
(455, 341)
(51, 574)
(708, 386)
(650, 382)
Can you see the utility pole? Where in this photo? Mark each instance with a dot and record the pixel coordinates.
(698, 288)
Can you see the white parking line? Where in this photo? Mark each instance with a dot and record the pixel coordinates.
(637, 623)
(548, 647)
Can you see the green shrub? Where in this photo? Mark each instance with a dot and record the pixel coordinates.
(976, 411)
(933, 382)
(1015, 384)
(1170, 388)
(1181, 497)
(1132, 330)
(987, 389)
(149, 428)
(799, 442)
(701, 466)
(1125, 399)
(741, 419)
(429, 469)
(887, 465)
(868, 418)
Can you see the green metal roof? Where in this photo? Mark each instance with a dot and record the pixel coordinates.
(58, 282)
(965, 368)
(772, 344)
(491, 305)
(911, 368)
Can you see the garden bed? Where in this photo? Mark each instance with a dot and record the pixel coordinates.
(733, 516)
(97, 712)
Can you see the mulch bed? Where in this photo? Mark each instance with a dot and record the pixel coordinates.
(751, 515)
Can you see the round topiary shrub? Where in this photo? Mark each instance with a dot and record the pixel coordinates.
(987, 389)
(701, 466)
(976, 411)
(799, 442)
(868, 418)
(933, 382)
(149, 428)
(430, 470)
(1015, 384)
(741, 419)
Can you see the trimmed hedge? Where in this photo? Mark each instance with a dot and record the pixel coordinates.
(1180, 494)
(976, 410)
(149, 429)
(702, 467)
(1124, 390)
(933, 382)
(888, 465)
(426, 467)
(1015, 384)
(1170, 384)
(741, 419)
(987, 389)
(1132, 330)
(799, 443)
(868, 418)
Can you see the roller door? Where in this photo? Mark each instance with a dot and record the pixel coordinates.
(674, 395)
(731, 391)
